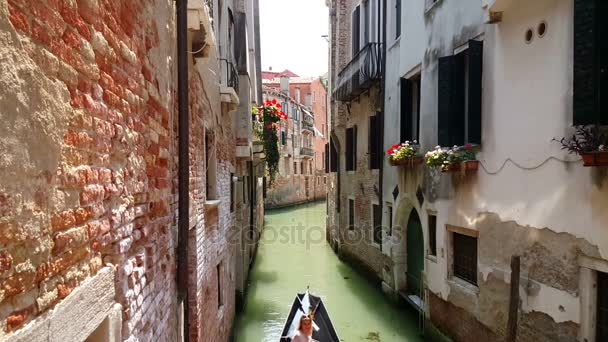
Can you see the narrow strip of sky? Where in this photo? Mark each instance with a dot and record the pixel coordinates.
(291, 34)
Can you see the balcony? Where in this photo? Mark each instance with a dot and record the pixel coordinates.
(229, 84)
(308, 127)
(360, 73)
(307, 152)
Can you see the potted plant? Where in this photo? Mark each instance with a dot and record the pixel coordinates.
(407, 154)
(265, 127)
(457, 158)
(590, 143)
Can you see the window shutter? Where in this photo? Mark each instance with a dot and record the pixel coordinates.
(475, 55)
(585, 79)
(326, 158)
(333, 157)
(397, 19)
(354, 157)
(372, 142)
(406, 110)
(349, 149)
(356, 24)
(445, 65)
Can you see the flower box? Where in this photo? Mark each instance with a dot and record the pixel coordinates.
(595, 158)
(409, 162)
(466, 166)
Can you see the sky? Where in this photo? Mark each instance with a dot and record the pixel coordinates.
(291, 34)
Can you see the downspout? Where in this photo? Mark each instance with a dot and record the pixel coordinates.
(258, 50)
(184, 162)
(383, 92)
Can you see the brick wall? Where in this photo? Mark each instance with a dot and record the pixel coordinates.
(89, 166)
(91, 182)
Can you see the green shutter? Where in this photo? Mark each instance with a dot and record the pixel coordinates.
(585, 63)
(445, 65)
(354, 147)
(475, 56)
(406, 110)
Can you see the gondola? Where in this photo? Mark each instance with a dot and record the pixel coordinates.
(305, 303)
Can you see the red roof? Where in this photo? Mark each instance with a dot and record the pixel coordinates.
(269, 75)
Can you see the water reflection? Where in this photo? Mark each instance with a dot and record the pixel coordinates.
(284, 267)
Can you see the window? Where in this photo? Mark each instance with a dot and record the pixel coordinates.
(410, 109)
(459, 100)
(211, 160)
(295, 168)
(465, 257)
(356, 30)
(232, 189)
(333, 157)
(374, 141)
(351, 214)
(389, 219)
(245, 187)
(377, 224)
(590, 62)
(397, 19)
(220, 297)
(365, 24)
(283, 138)
(264, 187)
(351, 148)
(602, 307)
(432, 235)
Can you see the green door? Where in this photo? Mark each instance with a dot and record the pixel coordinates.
(415, 253)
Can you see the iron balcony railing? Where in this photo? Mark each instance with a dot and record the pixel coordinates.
(360, 73)
(232, 76)
(307, 152)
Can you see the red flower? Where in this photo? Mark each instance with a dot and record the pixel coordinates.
(274, 101)
(278, 105)
(468, 146)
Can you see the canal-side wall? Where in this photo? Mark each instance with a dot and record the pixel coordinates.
(528, 197)
(295, 189)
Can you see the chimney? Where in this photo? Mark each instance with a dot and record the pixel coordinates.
(285, 84)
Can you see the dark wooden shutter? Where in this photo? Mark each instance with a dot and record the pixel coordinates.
(283, 138)
(397, 18)
(585, 77)
(602, 307)
(333, 157)
(445, 65)
(354, 157)
(406, 110)
(475, 56)
(602, 38)
(264, 189)
(348, 151)
(356, 24)
(374, 142)
(451, 100)
(326, 159)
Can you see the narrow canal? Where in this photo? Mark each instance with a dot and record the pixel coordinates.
(293, 254)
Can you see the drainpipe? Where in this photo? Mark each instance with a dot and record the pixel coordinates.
(184, 161)
(383, 92)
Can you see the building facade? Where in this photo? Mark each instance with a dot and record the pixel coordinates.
(89, 194)
(301, 176)
(475, 72)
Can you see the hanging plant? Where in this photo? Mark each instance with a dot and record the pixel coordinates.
(266, 127)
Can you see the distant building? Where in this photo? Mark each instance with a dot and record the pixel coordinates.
(302, 140)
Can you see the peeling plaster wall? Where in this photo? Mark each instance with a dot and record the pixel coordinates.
(529, 197)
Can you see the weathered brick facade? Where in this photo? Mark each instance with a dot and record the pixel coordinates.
(89, 169)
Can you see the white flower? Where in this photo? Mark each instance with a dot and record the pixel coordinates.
(602, 148)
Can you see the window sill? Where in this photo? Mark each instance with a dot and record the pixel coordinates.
(456, 283)
(431, 258)
(212, 203)
(377, 246)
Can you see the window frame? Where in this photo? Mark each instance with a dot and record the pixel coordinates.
(432, 234)
(373, 206)
(351, 213)
(467, 233)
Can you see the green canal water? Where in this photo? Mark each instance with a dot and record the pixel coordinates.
(293, 254)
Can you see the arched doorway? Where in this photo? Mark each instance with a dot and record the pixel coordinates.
(415, 254)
